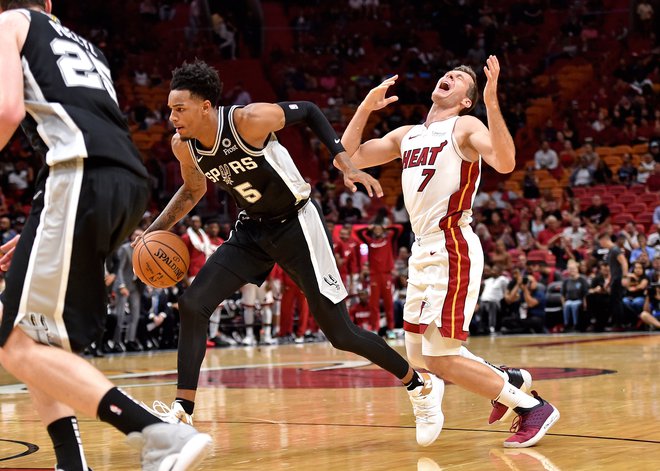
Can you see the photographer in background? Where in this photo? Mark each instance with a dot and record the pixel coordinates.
(651, 313)
(525, 299)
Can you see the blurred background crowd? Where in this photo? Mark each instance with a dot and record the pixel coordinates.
(571, 237)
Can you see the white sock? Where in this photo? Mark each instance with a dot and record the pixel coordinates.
(248, 316)
(513, 397)
(465, 353)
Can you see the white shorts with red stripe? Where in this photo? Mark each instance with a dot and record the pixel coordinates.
(445, 271)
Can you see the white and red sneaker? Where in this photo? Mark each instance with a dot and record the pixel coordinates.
(521, 379)
(532, 424)
(428, 409)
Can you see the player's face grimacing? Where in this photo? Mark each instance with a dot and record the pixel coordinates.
(453, 85)
(187, 112)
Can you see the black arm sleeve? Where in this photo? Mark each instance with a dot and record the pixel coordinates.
(307, 112)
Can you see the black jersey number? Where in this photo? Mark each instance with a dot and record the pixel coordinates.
(81, 69)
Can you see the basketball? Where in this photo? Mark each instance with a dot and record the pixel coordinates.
(161, 259)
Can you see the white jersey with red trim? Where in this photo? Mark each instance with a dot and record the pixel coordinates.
(439, 183)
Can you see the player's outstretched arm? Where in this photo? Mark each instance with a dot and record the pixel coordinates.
(13, 30)
(375, 151)
(495, 144)
(187, 197)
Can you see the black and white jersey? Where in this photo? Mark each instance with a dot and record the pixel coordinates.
(264, 182)
(71, 104)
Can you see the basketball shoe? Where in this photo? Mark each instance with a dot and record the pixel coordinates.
(521, 379)
(428, 409)
(170, 447)
(531, 424)
(171, 415)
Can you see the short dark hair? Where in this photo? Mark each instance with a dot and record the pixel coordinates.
(473, 91)
(200, 79)
(11, 4)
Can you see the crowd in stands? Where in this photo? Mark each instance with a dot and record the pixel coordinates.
(579, 91)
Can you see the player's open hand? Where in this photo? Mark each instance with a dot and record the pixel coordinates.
(492, 71)
(376, 100)
(353, 176)
(7, 252)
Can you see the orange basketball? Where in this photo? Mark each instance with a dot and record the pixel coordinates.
(161, 259)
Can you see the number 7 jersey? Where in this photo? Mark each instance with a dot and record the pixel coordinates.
(71, 104)
(439, 183)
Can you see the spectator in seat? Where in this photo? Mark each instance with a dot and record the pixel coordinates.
(654, 237)
(635, 284)
(546, 157)
(567, 156)
(574, 291)
(349, 213)
(524, 237)
(537, 223)
(643, 247)
(525, 298)
(651, 313)
(583, 174)
(530, 184)
(575, 234)
(627, 173)
(7, 233)
(500, 257)
(597, 215)
(549, 237)
(646, 168)
(653, 182)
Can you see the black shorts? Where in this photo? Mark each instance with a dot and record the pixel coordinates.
(300, 245)
(55, 290)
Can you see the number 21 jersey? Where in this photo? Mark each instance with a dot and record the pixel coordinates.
(70, 100)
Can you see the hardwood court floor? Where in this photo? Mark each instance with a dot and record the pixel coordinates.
(277, 408)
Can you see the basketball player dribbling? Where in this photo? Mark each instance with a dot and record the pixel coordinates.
(236, 148)
(441, 170)
(90, 194)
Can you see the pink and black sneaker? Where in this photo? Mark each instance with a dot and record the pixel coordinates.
(521, 379)
(531, 424)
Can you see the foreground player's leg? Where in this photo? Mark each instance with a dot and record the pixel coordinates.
(62, 426)
(84, 388)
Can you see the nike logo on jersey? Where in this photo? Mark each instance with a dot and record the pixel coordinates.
(422, 156)
(199, 159)
(413, 137)
(433, 252)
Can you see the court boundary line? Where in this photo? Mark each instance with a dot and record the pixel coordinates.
(453, 429)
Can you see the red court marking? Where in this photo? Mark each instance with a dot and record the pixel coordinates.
(295, 378)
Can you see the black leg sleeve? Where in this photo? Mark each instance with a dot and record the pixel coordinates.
(213, 284)
(336, 324)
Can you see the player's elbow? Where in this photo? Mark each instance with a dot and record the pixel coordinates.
(12, 115)
(504, 163)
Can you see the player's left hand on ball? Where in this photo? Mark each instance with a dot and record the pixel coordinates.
(8, 252)
(352, 177)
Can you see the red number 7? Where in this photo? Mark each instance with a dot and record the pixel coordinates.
(428, 174)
